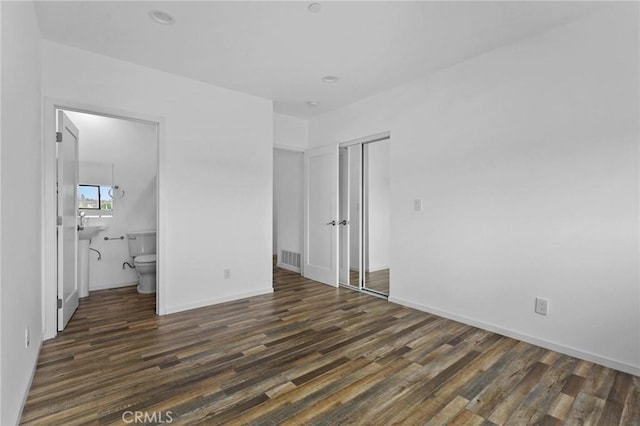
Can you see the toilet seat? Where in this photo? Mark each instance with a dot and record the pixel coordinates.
(145, 258)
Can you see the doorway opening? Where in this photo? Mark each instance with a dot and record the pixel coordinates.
(364, 205)
(110, 203)
(288, 206)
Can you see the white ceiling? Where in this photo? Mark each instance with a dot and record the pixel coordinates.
(278, 50)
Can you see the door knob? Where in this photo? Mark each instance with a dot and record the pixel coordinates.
(343, 222)
(332, 223)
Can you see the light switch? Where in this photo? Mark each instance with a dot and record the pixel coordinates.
(417, 205)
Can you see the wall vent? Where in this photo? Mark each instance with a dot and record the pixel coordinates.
(290, 260)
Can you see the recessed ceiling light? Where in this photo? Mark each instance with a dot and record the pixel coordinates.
(330, 79)
(161, 17)
(315, 7)
(313, 103)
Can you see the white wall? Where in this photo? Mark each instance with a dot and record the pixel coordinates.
(527, 161)
(21, 303)
(132, 148)
(288, 199)
(215, 175)
(290, 132)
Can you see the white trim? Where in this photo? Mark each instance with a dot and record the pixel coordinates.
(288, 267)
(49, 227)
(28, 388)
(567, 350)
(367, 139)
(210, 302)
(118, 115)
(49, 265)
(288, 147)
(107, 286)
(41, 252)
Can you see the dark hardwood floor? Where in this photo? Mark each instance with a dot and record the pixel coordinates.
(309, 354)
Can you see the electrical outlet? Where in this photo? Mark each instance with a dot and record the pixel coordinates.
(417, 205)
(542, 306)
(26, 337)
(227, 274)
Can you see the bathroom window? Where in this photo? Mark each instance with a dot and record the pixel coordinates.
(94, 197)
(106, 201)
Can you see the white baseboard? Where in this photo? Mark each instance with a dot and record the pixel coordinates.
(209, 302)
(33, 373)
(107, 286)
(567, 350)
(288, 267)
(380, 268)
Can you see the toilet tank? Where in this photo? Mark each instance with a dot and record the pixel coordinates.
(141, 242)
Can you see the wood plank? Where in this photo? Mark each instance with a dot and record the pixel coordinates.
(586, 410)
(311, 354)
(561, 406)
(451, 410)
(507, 406)
(540, 399)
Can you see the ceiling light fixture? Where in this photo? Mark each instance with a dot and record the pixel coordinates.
(314, 8)
(330, 79)
(313, 104)
(161, 17)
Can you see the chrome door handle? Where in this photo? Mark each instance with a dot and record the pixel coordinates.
(332, 223)
(343, 222)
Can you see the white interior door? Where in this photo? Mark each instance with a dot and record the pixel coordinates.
(321, 215)
(67, 169)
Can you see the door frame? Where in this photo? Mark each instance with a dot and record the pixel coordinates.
(279, 264)
(49, 214)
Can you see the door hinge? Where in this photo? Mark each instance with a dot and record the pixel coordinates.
(59, 303)
(58, 137)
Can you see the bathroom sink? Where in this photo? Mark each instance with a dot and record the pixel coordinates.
(84, 235)
(88, 232)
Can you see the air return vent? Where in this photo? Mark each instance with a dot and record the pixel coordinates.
(290, 260)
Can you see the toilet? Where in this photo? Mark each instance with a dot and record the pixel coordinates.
(142, 247)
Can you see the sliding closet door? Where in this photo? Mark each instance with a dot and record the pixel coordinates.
(350, 178)
(344, 195)
(376, 216)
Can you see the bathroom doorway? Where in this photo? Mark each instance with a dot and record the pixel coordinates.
(364, 205)
(116, 197)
